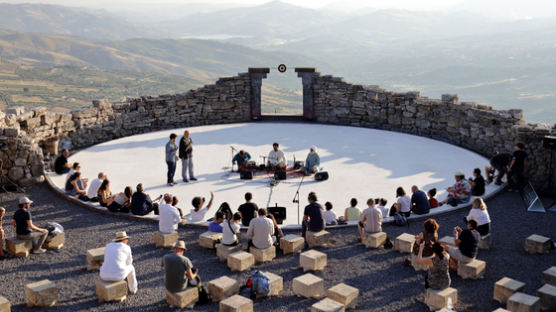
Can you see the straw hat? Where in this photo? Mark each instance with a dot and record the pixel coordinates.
(24, 200)
(180, 244)
(458, 173)
(120, 236)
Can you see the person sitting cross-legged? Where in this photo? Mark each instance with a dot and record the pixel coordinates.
(216, 225)
(312, 162)
(178, 269)
(169, 216)
(438, 275)
(467, 242)
(118, 262)
(460, 192)
(371, 219)
(261, 231)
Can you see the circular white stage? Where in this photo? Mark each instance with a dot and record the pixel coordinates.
(362, 163)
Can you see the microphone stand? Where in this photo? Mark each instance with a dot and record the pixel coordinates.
(296, 198)
(232, 167)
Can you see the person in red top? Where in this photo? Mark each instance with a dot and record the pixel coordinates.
(432, 201)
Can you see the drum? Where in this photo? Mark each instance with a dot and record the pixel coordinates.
(251, 165)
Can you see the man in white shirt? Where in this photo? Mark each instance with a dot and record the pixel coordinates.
(169, 216)
(92, 192)
(371, 219)
(261, 231)
(276, 158)
(118, 262)
(197, 214)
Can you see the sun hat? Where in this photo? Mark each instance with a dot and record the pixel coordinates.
(120, 236)
(180, 244)
(24, 200)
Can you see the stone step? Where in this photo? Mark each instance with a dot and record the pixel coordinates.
(438, 299)
(240, 261)
(547, 294)
(209, 239)
(549, 276)
(95, 258)
(55, 242)
(263, 255)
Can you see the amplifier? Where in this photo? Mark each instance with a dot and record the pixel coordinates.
(321, 176)
(279, 175)
(549, 142)
(246, 175)
(279, 213)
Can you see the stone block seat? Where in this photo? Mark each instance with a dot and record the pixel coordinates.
(95, 258)
(111, 291)
(448, 240)
(222, 288)
(263, 255)
(404, 243)
(537, 244)
(317, 239)
(438, 299)
(501, 310)
(549, 276)
(209, 239)
(236, 303)
(308, 286)
(344, 294)
(374, 240)
(41, 294)
(292, 243)
(240, 261)
(312, 260)
(327, 305)
(505, 288)
(4, 305)
(523, 303)
(472, 270)
(222, 252)
(485, 242)
(19, 247)
(55, 242)
(183, 299)
(165, 240)
(547, 294)
(276, 283)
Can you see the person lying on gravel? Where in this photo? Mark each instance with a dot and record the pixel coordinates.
(178, 269)
(24, 226)
(118, 262)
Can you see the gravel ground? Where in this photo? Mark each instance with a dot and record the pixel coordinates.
(384, 283)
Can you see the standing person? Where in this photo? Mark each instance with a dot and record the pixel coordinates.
(480, 214)
(169, 216)
(197, 214)
(186, 156)
(118, 262)
(467, 242)
(498, 164)
(276, 158)
(92, 192)
(2, 213)
(419, 201)
(516, 170)
(24, 226)
(261, 231)
(313, 216)
(352, 213)
(329, 215)
(438, 275)
(171, 157)
(230, 229)
(178, 269)
(312, 162)
(371, 219)
(61, 165)
(141, 202)
(248, 209)
(403, 205)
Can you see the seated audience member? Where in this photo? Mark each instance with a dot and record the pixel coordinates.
(313, 216)
(381, 204)
(175, 202)
(403, 204)
(169, 216)
(477, 183)
(428, 237)
(261, 231)
(498, 164)
(92, 192)
(2, 213)
(197, 214)
(121, 201)
(141, 202)
(230, 229)
(74, 187)
(178, 269)
(467, 242)
(248, 209)
(329, 215)
(241, 159)
(352, 213)
(105, 197)
(438, 275)
(216, 225)
(24, 227)
(61, 165)
(77, 168)
(312, 162)
(419, 202)
(225, 210)
(277, 230)
(460, 192)
(276, 159)
(371, 219)
(480, 214)
(118, 262)
(432, 201)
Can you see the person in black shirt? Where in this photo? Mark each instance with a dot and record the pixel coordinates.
(185, 153)
(61, 165)
(24, 226)
(477, 183)
(467, 242)
(516, 176)
(419, 201)
(248, 210)
(313, 216)
(498, 163)
(141, 203)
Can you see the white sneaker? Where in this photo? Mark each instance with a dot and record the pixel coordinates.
(39, 251)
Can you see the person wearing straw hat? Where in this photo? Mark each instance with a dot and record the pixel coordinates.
(118, 262)
(24, 227)
(460, 192)
(179, 270)
(312, 162)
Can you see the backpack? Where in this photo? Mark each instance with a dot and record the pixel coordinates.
(204, 297)
(400, 220)
(261, 282)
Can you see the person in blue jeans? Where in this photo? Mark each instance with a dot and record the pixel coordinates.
(171, 157)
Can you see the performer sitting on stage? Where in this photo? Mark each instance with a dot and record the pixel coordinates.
(312, 162)
(241, 159)
(276, 158)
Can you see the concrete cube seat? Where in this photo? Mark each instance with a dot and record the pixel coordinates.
(505, 288)
(404, 243)
(111, 291)
(263, 255)
(182, 299)
(501, 310)
(165, 240)
(5, 305)
(222, 252)
(547, 294)
(55, 242)
(95, 258)
(523, 303)
(344, 294)
(312, 260)
(41, 294)
(537, 244)
(549, 276)
(209, 239)
(308, 286)
(485, 242)
(327, 305)
(438, 299)
(448, 240)
(236, 303)
(292, 243)
(374, 240)
(276, 283)
(19, 247)
(222, 288)
(472, 270)
(317, 239)
(240, 261)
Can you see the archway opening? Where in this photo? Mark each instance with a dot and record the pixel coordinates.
(282, 93)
